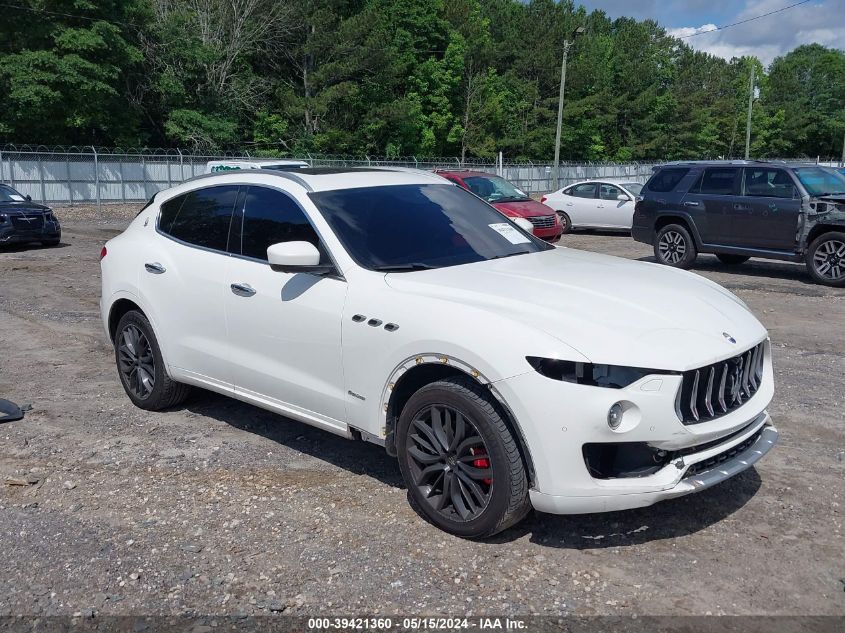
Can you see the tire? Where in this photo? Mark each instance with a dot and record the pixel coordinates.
(146, 381)
(674, 246)
(54, 242)
(825, 259)
(565, 222)
(732, 260)
(477, 506)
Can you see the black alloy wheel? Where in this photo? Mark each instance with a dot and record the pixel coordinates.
(141, 366)
(449, 462)
(136, 362)
(460, 459)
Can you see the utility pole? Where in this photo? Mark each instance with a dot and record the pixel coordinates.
(566, 44)
(842, 162)
(750, 106)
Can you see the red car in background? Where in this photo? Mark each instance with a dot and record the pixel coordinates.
(509, 200)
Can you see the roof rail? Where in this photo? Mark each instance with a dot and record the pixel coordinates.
(267, 172)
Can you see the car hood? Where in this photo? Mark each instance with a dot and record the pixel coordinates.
(524, 208)
(20, 208)
(611, 310)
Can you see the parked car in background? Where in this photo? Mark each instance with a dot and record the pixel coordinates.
(595, 204)
(216, 166)
(508, 199)
(743, 209)
(22, 220)
(393, 307)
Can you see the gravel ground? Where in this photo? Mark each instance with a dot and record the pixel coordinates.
(221, 508)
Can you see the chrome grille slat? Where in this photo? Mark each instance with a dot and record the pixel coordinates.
(715, 390)
(708, 396)
(694, 396)
(542, 221)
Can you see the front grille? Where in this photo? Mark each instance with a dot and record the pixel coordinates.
(711, 392)
(714, 461)
(28, 222)
(542, 221)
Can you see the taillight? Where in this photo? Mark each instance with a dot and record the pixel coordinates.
(103, 253)
(543, 199)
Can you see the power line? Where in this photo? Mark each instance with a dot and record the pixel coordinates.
(757, 17)
(65, 15)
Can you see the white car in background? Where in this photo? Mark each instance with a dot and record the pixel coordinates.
(222, 166)
(595, 204)
(395, 307)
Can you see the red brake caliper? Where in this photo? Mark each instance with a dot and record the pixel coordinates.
(481, 462)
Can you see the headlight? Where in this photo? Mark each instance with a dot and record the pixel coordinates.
(607, 376)
(3, 218)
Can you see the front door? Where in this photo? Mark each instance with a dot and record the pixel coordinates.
(284, 328)
(775, 208)
(617, 213)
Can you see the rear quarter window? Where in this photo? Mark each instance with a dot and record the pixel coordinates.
(667, 179)
(200, 217)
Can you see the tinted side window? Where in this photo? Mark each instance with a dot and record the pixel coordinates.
(666, 180)
(609, 192)
(271, 217)
(204, 217)
(769, 183)
(583, 191)
(717, 181)
(169, 211)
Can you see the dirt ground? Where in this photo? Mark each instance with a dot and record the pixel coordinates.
(221, 508)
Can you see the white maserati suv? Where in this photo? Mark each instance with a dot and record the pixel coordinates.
(392, 306)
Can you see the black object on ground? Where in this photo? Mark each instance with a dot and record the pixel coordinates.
(9, 411)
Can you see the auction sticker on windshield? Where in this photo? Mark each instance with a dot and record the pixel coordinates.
(509, 233)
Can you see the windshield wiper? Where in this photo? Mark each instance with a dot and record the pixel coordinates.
(830, 193)
(403, 268)
(508, 255)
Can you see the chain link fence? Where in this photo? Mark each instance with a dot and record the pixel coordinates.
(89, 175)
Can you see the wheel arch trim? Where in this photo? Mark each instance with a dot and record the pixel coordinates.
(388, 417)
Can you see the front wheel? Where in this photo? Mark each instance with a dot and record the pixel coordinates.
(565, 222)
(825, 259)
(460, 461)
(141, 366)
(674, 246)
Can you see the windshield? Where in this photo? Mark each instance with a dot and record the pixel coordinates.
(7, 194)
(634, 187)
(401, 228)
(821, 181)
(494, 189)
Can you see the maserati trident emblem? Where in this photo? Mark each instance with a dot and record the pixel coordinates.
(729, 338)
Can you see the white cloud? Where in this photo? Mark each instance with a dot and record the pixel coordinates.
(820, 22)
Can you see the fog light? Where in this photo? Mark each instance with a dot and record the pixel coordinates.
(614, 416)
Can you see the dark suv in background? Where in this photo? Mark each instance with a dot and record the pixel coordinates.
(743, 209)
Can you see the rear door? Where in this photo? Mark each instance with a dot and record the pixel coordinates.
(182, 280)
(717, 209)
(774, 204)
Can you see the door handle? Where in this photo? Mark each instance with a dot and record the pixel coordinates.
(742, 207)
(155, 268)
(691, 203)
(242, 290)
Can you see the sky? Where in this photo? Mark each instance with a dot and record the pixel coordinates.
(821, 21)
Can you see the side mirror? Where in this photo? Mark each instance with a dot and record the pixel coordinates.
(28, 198)
(296, 257)
(524, 224)
(622, 197)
